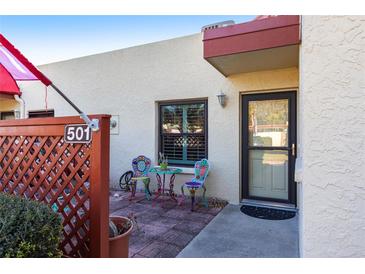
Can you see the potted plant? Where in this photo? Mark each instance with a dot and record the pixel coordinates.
(163, 161)
(120, 229)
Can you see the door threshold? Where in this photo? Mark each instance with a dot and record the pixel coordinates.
(276, 205)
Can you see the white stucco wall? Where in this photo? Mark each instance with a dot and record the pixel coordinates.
(131, 81)
(332, 79)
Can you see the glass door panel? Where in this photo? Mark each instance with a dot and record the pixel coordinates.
(268, 123)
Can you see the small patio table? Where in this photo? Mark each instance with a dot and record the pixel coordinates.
(161, 183)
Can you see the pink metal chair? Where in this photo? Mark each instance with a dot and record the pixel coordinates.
(141, 166)
(201, 170)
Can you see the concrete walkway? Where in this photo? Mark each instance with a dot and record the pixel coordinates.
(233, 234)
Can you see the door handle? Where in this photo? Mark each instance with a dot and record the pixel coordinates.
(293, 149)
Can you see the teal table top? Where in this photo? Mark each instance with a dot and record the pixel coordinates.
(169, 170)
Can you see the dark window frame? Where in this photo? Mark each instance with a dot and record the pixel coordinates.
(42, 113)
(4, 113)
(183, 102)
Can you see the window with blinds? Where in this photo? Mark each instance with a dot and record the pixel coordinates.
(183, 132)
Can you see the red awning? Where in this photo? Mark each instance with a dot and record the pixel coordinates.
(19, 68)
(15, 67)
(7, 83)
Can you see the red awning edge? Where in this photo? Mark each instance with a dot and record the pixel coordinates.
(21, 58)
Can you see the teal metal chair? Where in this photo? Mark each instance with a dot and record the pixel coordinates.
(141, 166)
(201, 170)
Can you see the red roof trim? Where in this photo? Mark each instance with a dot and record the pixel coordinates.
(10, 92)
(251, 36)
(252, 26)
(17, 54)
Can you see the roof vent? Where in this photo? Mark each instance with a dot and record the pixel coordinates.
(218, 25)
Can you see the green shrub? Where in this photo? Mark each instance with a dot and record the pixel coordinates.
(28, 229)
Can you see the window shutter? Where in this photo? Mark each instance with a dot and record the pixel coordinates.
(183, 132)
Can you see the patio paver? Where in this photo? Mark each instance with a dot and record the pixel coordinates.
(164, 227)
(177, 237)
(193, 227)
(159, 249)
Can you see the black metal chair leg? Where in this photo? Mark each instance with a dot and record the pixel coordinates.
(205, 201)
(192, 196)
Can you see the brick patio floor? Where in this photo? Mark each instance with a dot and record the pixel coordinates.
(164, 227)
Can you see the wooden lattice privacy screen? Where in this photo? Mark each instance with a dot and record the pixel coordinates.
(73, 179)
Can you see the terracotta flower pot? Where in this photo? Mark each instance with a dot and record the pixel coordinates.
(119, 246)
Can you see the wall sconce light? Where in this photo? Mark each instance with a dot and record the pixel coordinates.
(221, 98)
(113, 124)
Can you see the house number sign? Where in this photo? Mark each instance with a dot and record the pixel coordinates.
(80, 134)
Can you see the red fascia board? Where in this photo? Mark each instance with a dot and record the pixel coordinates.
(284, 31)
(252, 41)
(10, 92)
(252, 26)
(17, 54)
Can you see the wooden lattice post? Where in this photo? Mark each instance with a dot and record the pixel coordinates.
(99, 190)
(72, 178)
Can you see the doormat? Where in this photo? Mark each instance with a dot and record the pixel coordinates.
(267, 213)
